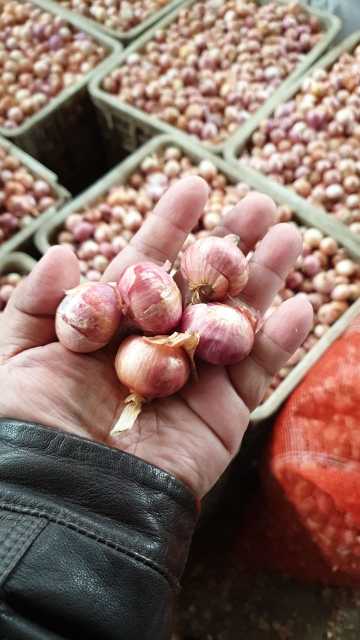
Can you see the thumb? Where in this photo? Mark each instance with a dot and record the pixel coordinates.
(28, 320)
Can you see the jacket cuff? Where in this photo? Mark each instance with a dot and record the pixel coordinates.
(112, 495)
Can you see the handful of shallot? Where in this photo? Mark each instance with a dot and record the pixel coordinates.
(215, 326)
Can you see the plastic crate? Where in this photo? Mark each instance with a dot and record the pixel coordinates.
(18, 262)
(65, 132)
(46, 234)
(125, 37)
(127, 128)
(235, 146)
(38, 171)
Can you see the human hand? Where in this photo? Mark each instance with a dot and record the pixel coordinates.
(195, 434)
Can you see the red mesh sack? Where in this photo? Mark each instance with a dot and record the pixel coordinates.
(312, 471)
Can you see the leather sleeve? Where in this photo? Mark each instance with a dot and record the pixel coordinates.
(93, 541)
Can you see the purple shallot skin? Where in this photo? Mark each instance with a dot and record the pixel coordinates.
(226, 334)
(88, 317)
(151, 298)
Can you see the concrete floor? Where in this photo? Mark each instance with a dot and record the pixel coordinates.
(219, 601)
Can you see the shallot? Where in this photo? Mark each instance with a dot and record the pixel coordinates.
(152, 368)
(150, 298)
(214, 268)
(226, 333)
(88, 317)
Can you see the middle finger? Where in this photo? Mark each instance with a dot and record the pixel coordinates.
(250, 219)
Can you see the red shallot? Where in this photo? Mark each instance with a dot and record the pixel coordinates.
(214, 268)
(150, 298)
(226, 333)
(88, 317)
(152, 368)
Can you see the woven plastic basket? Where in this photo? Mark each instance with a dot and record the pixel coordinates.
(65, 132)
(127, 128)
(46, 235)
(235, 146)
(18, 262)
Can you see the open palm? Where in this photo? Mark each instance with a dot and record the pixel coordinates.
(194, 434)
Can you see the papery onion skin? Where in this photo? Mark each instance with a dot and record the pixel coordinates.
(214, 268)
(150, 298)
(151, 370)
(88, 317)
(226, 334)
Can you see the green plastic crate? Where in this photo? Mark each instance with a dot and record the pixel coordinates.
(125, 37)
(235, 146)
(39, 171)
(18, 262)
(126, 127)
(64, 132)
(46, 235)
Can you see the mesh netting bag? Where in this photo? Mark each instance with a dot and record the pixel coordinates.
(311, 477)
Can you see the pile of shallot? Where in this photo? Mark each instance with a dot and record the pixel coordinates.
(118, 15)
(41, 54)
(166, 331)
(214, 65)
(23, 196)
(329, 278)
(311, 142)
(99, 231)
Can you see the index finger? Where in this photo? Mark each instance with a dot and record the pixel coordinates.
(164, 231)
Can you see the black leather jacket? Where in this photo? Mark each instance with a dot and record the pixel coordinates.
(93, 541)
